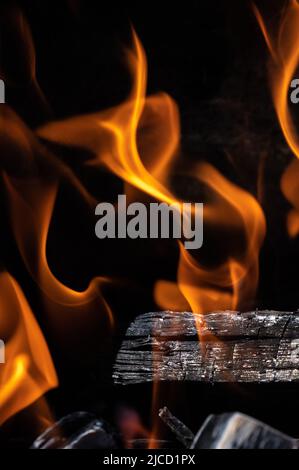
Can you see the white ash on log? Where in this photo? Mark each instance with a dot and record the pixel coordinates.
(238, 431)
(256, 347)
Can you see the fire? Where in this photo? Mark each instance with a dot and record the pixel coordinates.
(31, 207)
(18, 40)
(113, 135)
(30, 178)
(290, 187)
(28, 371)
(232, 284)
(284, 53)
(138, 141)
(284, 61)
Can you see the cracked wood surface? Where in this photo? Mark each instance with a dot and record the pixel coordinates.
(259, 346)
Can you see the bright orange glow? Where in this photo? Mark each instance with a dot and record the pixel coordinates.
(28, 371)
(169, 297)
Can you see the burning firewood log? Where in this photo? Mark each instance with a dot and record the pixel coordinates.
(257, 347)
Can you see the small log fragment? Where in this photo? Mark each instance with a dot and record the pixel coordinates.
(179, 429)
(77, 430)
(238, 431)
(259, 346)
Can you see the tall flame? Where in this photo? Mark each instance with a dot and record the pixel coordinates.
(31, 178)
(233, 283)
(117, 139)
(28, 371)
(112, 135)
(31, 209)
(284, 53)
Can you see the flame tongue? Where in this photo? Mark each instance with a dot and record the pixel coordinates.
(284, 60)
(232, 284)
(284, 52)
(229, 285)
(112, 135)
(28, 372)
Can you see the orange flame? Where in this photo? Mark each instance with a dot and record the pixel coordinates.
(285, 55)
(31, 178)
(28, 371)
(290, 188)
(117, 138)
(138, 141)
(31, 208)
(17, 37)
(112, 135)
(233, 283)
(284, 51)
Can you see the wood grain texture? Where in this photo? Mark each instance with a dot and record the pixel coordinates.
(260, 346)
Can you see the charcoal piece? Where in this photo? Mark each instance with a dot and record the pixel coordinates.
(256, 347)
(181, 431)
(78, 430)
(238, 431)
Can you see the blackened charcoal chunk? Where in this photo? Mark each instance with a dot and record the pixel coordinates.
(260, 346)
(78, 430)
(238, 431)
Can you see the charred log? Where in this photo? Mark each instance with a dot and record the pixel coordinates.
(261, 346)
